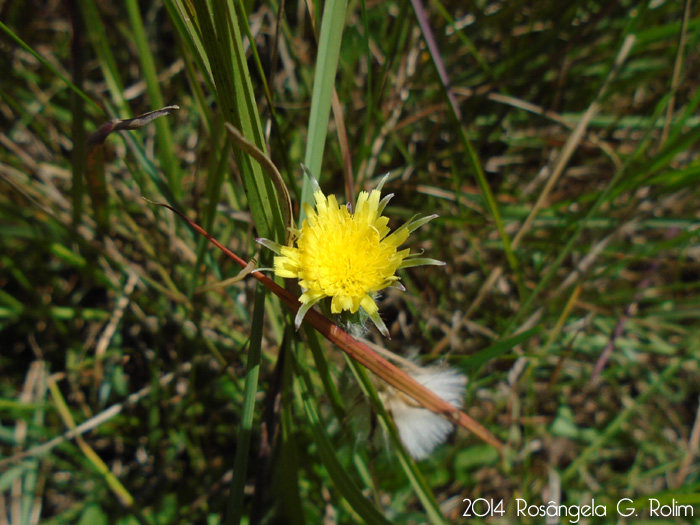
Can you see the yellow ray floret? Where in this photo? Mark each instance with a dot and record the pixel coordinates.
(347, 257)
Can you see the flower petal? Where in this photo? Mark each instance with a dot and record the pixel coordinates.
(303, 309)
(346, 256)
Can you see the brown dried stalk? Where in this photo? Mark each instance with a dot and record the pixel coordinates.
(360, 352)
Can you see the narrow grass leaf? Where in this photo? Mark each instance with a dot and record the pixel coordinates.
(346, 486)
(421, 488)
(166, 152)
(456, 115)
(50, 67)
(245, 433)
(97, 35)
(332, 25)
(472, 363)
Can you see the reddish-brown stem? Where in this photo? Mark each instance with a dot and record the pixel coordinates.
(360, 352)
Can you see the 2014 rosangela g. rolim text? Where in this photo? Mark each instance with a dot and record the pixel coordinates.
(625, 507)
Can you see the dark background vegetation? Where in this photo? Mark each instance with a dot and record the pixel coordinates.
(581, 347)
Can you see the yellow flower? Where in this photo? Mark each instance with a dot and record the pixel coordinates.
(346, 256)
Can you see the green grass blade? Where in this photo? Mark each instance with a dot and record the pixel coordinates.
(330, 37)
(50, 67)
(97, 35)
(189, 32)
(224, 47)
(289, 451)
(345, 485)
(166, 152)
(196, 60)
(240, 465)
(472, 363)
(421, 488)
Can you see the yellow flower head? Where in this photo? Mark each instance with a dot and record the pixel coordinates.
(346, 256)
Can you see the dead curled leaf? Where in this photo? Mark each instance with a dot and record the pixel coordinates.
(99, 136)
(94, 168)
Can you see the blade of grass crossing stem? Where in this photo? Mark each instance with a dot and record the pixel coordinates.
(425, 495)
(345, 485)
(240, 464)
(332, 25)
(166, 152)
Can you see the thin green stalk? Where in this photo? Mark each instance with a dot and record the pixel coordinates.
(78, 135)
(332, 25)
(166, 151)
(234, 511)
(51, 68)
(303, 390)
(289, 451)
(97, 35)
(472, 155)
(421, 488)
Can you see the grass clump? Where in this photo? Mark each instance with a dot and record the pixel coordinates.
(557, 144)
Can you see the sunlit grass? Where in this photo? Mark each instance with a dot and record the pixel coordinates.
(557, 146)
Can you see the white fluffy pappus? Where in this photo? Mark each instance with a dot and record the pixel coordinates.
(420, 429)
